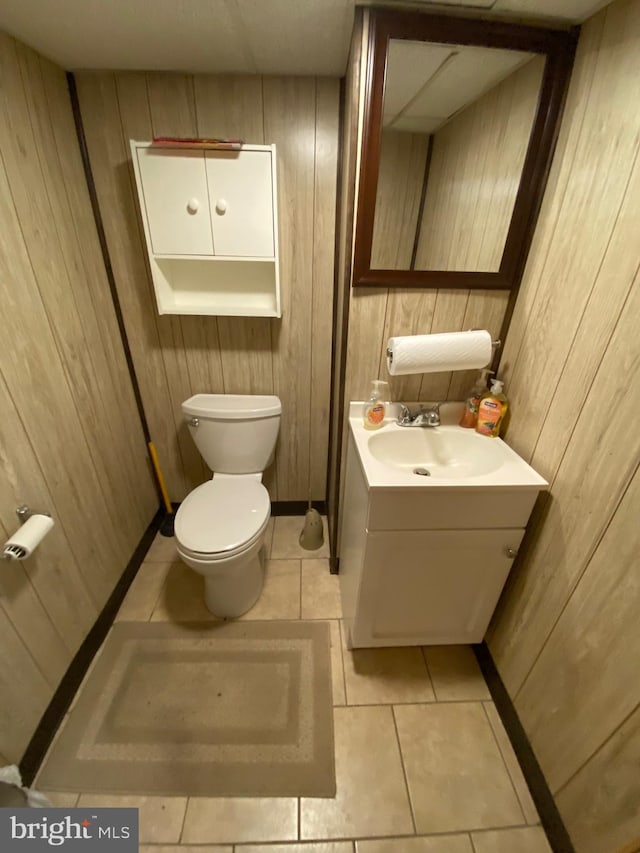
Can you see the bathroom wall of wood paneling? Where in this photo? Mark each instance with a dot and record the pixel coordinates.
(176, 357)
(566, 638)
(71, 441)
(474, 176)
(483, 147)
(401, 177)
(378, 313)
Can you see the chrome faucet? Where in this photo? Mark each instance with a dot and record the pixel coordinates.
(423, 418)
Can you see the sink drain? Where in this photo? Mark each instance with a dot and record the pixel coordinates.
(422, 471)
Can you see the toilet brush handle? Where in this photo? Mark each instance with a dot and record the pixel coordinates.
(160, 478)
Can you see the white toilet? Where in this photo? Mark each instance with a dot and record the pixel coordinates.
(220, 525)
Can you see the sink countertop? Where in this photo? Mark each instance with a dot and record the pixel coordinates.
(513, 473)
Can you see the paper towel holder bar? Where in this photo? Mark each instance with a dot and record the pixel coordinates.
(495, 346)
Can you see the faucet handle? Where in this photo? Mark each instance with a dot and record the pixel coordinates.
(405, 416)
(432, 416)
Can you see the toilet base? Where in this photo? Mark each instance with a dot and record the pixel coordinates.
(231, 586)
(228, 599)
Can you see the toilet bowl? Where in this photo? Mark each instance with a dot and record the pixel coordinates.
(219, 531)
(220, 525)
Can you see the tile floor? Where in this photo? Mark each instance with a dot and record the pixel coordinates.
(423, 763)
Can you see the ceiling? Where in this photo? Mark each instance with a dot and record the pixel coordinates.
(224, 36)
(426, 84)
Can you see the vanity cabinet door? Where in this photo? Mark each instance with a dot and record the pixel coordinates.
(175, 200)
(439, 586)
(241, 200)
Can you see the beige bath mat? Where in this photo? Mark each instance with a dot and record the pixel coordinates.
(202, 709)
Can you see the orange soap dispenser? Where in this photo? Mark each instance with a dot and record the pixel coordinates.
(470, 414)
(492, 409)
(375, 409)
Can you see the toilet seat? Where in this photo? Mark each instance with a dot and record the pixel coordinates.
(220, 556)
(222, 517)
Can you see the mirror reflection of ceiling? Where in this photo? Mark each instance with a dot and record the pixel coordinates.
(427, 84)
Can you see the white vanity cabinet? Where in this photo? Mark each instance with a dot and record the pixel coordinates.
(210, 223)
(425, 566)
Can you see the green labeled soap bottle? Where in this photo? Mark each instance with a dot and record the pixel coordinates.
(492, 409)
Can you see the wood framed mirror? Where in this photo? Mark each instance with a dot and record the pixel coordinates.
(461, 119)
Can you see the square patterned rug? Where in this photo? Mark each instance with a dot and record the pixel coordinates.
(240, 709)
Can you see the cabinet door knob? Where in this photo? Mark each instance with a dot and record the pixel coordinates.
(511, 553)
(192, 205)
(221, 206)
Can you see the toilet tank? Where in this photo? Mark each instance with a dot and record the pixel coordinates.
(235, 433)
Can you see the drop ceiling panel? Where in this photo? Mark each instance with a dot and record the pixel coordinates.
(440, 80)
(411, 64)
(174, 35)
(574, 11)
(463, 79)
(298, 36)
(223, 36)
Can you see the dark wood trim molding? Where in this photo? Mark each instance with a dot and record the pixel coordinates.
(280, 508)
(423, 196)
(102, 237)
(558, 46)
(337, 342)
(72, 679)
(342, 295)
(79, 666)
(549, 815)
(538, 159)
(557, 98)
(296, 507)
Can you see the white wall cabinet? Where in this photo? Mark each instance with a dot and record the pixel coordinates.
(435, 585)
(210, 223)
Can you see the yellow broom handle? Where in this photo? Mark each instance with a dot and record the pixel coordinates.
(160, 478)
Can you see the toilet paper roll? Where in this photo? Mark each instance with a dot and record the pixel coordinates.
(28, 537)
(435, 353)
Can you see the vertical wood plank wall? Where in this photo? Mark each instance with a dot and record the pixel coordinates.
(401, 177)
(565, 638)
(71, 442)
(471, 187)
(474, 176)
(176, 357)
(378, 313)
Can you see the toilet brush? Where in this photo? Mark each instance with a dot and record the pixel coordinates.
(166, 528)
(312, 535)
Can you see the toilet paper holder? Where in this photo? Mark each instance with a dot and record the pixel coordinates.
(34, 526)
(24, 513)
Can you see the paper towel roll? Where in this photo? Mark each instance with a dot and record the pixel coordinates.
(28, 537)
(435, 353)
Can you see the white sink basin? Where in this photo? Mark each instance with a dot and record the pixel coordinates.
(445, 451)
(444, 457)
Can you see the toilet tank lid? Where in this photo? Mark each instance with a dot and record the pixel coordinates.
(232, 406)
